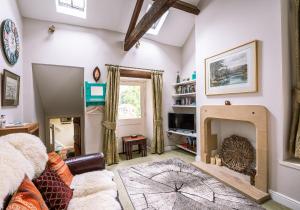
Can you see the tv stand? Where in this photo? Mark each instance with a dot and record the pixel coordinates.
(185, 146)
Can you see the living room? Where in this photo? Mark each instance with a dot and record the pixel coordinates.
(151, 101)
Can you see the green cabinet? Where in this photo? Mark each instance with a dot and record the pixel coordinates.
(95, 94)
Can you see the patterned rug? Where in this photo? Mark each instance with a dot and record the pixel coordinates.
(175, 185)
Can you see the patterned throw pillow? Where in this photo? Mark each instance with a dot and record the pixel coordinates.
(55, 192)
(60, 167)
(27, 197)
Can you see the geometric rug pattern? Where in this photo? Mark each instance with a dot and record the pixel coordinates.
(175, 185)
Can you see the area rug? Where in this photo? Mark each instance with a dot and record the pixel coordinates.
(175, 185)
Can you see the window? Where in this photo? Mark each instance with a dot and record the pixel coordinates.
(155, 28)
(129, 102)
(75, 8)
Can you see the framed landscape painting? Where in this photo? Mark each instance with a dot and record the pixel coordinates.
(10, 88)
(234, 71)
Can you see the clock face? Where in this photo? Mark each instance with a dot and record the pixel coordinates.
(10, 41)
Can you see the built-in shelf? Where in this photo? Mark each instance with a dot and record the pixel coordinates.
(184, 147)
(183, 133)
(184, 106)
(185, 83)
(184, 95)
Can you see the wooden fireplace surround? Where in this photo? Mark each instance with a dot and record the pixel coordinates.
(258, 116)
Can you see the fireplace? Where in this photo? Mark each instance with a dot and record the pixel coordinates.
(257, 115)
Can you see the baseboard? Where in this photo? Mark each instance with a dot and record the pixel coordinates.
(284, 200)
(169, 148)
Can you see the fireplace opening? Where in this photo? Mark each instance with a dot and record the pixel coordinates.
(248, 147)
(235, 147)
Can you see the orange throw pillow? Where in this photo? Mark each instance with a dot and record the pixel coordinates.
(27, 197)
(56, 164)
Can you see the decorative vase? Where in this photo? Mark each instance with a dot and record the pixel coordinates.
(178, 78)
(194, 75)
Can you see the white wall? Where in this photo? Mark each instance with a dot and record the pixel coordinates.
(9, 10)
(188, 62)
(88, 48)
(223, 25)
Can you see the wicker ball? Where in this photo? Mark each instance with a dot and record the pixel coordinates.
(237, 153)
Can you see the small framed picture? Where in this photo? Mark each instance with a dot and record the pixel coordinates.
(96, 74)
(233, 71)
(10, 89)
(66, 120)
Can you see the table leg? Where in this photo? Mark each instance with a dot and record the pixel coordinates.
(130, 150)
(145, 147)
(127, 151)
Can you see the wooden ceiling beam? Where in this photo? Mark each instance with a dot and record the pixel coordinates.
(187, 7)
(135, 16)
(155, 12)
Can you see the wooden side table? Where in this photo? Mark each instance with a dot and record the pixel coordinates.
(31, 128)
(129, 141)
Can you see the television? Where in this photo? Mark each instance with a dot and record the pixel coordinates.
(178, 121)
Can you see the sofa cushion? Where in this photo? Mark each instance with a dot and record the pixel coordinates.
(93, 182)
(27, 197)
(32, 149)
(55, 192)
(13, 168)
(96, 201)
(60, 167)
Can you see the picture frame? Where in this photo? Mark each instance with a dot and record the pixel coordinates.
(10, 89)
(233, 71)
(66, 120)
(96, 74)
(95, 94)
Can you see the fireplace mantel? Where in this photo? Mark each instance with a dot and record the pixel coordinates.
(258, 116)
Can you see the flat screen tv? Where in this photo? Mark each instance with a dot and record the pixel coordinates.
(178, 121)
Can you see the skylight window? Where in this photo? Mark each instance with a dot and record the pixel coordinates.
(75, 8)
(155, 28)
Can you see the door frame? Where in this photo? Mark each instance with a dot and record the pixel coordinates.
(131, 122)
(50, 145)
(142, 84)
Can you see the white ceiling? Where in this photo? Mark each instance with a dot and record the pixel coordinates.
(114, 15)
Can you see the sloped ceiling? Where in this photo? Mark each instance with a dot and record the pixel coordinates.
(60, 89)
(114, 15)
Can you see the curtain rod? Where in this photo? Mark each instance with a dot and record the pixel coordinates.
(134, 68)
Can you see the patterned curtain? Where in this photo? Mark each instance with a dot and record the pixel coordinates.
(110, 147)
(157, 145)
(294, 141)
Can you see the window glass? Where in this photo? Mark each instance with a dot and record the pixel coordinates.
(129, 102)
(76, 4)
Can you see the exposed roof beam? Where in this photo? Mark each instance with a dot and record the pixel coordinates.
(187, 7)
(135, 16)
(155, 12)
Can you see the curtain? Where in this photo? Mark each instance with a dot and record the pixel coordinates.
(157, 145)
(110, 147)
(294, 140)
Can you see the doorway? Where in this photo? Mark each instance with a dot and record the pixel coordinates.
(132, 109)
(59, 100)
(65, 136)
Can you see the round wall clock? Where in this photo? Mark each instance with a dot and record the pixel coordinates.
(10, 41)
